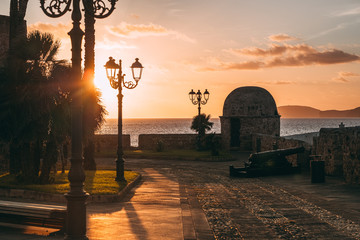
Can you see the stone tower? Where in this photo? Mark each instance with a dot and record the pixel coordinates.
(247, 111)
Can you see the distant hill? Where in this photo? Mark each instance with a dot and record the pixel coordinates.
(309, 112)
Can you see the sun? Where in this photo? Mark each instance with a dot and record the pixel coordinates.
(108, 94)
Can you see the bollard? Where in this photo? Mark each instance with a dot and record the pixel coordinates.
(317, 171)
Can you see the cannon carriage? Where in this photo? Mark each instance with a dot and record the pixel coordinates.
(266, 163)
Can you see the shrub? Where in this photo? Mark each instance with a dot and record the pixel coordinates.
(160, 146)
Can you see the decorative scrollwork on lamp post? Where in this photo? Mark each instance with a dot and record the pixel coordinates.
(76, 197)
(117, 81)
(55, 8)
(196, 98)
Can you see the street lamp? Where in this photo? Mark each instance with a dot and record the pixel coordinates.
(199, 99)
(196, 98)
(76, 197)
(117, 81)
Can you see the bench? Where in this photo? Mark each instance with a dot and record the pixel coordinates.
(40, 215)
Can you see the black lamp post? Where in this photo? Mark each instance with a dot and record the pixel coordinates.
(76, 197)
(199, 99)
(117, 81)
(196, 98)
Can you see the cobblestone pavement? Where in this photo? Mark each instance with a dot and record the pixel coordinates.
(198, 200)
(267, 208)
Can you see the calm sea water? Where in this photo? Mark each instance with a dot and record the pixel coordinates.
(134, 127)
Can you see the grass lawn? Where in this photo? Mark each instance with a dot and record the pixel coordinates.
(167, 154)
(96, 182)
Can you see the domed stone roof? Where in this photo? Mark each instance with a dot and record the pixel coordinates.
(250, 102)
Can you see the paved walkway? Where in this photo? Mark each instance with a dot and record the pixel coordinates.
(198, 200)
(157, 209)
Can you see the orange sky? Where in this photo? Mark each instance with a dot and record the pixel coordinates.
(302, 52)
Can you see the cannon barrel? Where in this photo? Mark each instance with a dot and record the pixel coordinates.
(275, 153)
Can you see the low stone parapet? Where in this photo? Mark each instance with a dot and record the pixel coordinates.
(340, 149)
(263, 142)
(168, 141)
(109, 142)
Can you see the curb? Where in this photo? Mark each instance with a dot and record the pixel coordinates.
(210, 159)
(60, 198)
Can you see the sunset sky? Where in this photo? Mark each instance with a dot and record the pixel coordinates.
(303, 52)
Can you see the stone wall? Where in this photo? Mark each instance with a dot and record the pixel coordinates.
(169, 141)
(109, 142)
(248, 110)
(249, 126)
(340, 149)
(263, 142)
(305, 137)
(148, 141)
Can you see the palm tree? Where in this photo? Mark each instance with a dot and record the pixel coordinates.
(93, 117)
(30, 97)
(59, 121)
(35, 107)
(201, 123)
(93, 110)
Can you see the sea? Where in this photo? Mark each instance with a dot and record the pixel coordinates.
(288, 126)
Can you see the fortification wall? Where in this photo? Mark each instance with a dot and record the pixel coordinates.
(148, 141)
(169, 141)
(109, 142)
(263, 142)
(340, 149)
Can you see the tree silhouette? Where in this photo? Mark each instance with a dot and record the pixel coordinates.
(201, 123)
(35, 107)
(93, 110)
(29, 96)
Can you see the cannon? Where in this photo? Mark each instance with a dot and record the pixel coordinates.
(265, 163)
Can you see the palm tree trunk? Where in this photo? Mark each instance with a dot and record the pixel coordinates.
(14, 157)
(89, 152)
(50, 158)
(16, 34)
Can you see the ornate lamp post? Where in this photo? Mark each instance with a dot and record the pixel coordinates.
(117, 81)
(196, 99)
(76, 197)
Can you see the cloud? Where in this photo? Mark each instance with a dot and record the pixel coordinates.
(348, 74)
(341, 79)
(135, 30)
(354, 11)
(59, 30)
(285, 55)
(273, 50)
(327, 57)
(108, 44)
(281, 38)
(127, 30)
(135, 16)
(331, 30)
(343, 76)
(254, 51)
(247, 65)
(276, 82)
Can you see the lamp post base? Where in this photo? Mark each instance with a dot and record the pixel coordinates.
(76, 216)
(120, 170)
